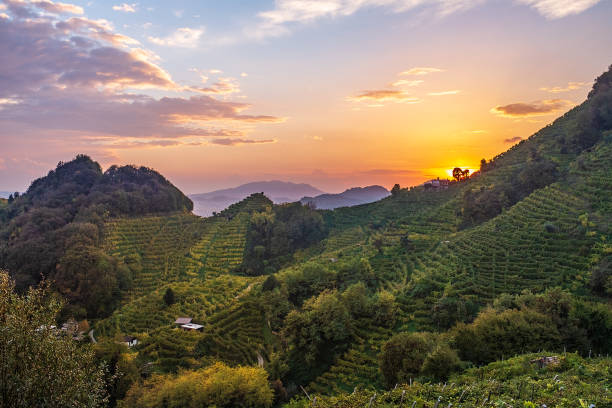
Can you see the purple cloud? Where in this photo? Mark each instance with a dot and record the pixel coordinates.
(77, 77)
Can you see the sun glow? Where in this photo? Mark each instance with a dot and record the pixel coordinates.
(449, 172)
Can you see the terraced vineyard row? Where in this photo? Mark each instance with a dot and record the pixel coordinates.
(357, 368)
(195, 299)
(236, 334)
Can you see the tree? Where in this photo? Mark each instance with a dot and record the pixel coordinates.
(215, 386)
(495, 335)
(270, 283)
(39, 367)
(403, 355)
(377, 242)
(320, 332)
(457, 173)
(440, 362)
(169, 297)
(483, 165)
(395, 190)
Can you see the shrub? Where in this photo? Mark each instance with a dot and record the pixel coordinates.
(403, 355)
(217, 385)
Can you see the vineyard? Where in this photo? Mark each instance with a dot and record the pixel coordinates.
(414, 247)
(572, 382)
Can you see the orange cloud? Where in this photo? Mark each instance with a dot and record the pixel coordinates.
(571, 86)
(537, 108)
(382, 95)
(513, 139)
(405, 82)
(421, 71)
(443, 93)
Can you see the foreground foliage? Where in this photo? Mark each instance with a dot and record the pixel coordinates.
(39, 365)
(217, 385)
(571, 382)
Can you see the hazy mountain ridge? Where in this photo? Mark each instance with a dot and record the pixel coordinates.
(348, 198)
(277, 191)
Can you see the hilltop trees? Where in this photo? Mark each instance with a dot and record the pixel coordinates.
(39, 367)
(54, 230)
(459, 174)
(395, 190)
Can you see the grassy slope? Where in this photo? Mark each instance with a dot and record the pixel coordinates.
(573, 382)
(194, 256)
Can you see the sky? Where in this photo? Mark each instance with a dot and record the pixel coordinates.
(335, 93)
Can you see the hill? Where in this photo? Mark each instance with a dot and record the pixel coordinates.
(278, 191)
(348, 198)
(5, 194)
(424, 285)
(54, 229)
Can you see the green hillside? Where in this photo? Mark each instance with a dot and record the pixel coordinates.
(425, 284)
(571, 382)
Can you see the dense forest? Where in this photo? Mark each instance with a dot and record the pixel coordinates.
(494, 291)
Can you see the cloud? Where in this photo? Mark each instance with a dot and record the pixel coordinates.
(58, 8)
(390, 172)
(183, 37)
(537, 108)
(553, 9)
(236, 142)
(286, 13)
(513, 139)
(383, 95)
(406, 82)
(443, 93)
(223, 86)
(126, 8)
(421, 71)
(571, 86)
(75, 82)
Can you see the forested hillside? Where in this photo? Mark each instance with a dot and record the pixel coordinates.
(455, 286)
(56, 228)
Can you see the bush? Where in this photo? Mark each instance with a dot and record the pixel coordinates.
(440, 362)
(217, 385)
(403, 355)
(493, 336)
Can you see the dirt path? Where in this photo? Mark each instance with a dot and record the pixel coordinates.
(91, 336)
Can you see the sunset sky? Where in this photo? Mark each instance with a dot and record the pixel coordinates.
(335, 93)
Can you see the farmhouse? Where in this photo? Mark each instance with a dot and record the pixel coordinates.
(192, 327)
(130, 341)
(436, 184)
(182, 320)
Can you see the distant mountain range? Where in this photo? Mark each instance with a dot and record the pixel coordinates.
(350, 197)
(278, 191)
(5, 194)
